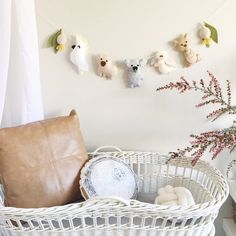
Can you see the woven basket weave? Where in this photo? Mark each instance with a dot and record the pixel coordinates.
(231, 176)
(112, 216)
(234, 210)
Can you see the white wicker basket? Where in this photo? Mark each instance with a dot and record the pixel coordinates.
(231, 177)
(111, 216)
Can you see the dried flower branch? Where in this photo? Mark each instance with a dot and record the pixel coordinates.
(214, 141)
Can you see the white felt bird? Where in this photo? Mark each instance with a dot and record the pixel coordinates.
(163, 62)
(78, 55)
(174, 196)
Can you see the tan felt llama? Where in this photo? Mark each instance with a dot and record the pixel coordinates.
(182, 44)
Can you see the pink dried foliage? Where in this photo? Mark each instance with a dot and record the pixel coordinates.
(213, 141)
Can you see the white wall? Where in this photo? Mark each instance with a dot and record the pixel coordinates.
(137, 119)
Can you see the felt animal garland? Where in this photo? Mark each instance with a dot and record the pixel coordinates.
(160, 60)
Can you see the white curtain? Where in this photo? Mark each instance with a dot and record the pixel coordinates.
(20, 90)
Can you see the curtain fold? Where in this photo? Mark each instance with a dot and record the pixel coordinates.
(23, 99)
(5, 32)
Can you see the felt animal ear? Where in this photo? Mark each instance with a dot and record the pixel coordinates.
(185, 35)
(175, 43)
(152, 61)
(142, 62)
(98, 57)
(79, 39)
(127, 62)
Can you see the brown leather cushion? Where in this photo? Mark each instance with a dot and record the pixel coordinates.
(40, 162)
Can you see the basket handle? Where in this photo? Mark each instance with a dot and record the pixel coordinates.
(98, 199)
(106, 147)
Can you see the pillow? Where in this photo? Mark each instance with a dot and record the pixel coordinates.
(40, 162)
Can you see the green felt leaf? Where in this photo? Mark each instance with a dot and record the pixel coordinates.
(52, 41)
(214, 33)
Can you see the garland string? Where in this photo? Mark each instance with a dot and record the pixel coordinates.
(212, 14)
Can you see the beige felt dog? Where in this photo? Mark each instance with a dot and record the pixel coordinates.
(182, 44)
(105, 66)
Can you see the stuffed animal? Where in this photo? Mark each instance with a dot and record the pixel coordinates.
(135, 74)
(207, 34)
(78, 54)
(61, 41)
(105, 66)
(182, 44)
(162, 62)
(57, 41)
(174, 196)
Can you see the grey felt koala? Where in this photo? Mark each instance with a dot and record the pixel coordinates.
(135, 75)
